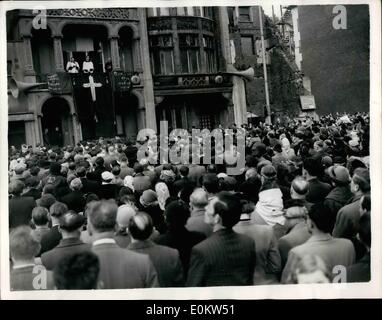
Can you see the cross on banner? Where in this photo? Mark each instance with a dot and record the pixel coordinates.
(92, 85)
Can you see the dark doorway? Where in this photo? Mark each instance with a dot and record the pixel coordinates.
(126, 109)
(57, 129)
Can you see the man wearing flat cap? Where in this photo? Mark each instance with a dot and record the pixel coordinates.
(75, 199)
(70, 228)
(107, 190)
(341, 193)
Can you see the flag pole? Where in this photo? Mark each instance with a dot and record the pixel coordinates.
(268, 117)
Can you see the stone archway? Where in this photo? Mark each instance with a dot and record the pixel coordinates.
(56, 122)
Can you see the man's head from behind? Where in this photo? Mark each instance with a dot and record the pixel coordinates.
(102, 216)
(320, 218)
(23, 245)
(77, 271)
(299, 188)
(210, 183)
(40, 216)
(224, 210)
(57, 210)
(141, 226)
(199, 199)
(71, 224)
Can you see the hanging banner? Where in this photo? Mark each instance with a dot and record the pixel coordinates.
(122, 82)
(59, 83)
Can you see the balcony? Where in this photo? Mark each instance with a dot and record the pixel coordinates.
(183, 23)
(217, 81)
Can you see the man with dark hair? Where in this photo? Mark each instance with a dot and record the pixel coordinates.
(40, 219)
(210, 183)
(99, 169)
(53, 237)
(23, 248)
(70, 227)
(140, 182)
(318, 190)
(20, 208)
(77, 271)
(333, 251)
(166, 260)
(226, 258)
(119, 268)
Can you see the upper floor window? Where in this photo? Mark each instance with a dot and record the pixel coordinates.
(162, 54)
(245, 14)
(189, 53)
(209, 53)
(247, 45)
(208, 12)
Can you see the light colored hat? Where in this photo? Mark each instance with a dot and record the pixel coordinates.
(148, 198)
(339, 174)
(107, 176)
(124, 214)
(76, 184)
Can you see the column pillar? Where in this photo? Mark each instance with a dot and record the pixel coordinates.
(148, 86)
(239, 100)
(137, 61)
(28, 57)
(115, 52)
(58, 55)
(224, 38)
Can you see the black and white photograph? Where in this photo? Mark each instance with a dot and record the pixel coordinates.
(188, 149)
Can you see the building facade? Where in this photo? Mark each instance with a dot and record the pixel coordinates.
(182, 59)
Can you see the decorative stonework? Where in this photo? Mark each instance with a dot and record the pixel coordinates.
(187, 24)
(100, 13)
(159, 24)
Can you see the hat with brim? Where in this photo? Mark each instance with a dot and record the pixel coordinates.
(339, 174)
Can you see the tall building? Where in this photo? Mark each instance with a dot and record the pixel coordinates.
(331, 49)
(149, 65)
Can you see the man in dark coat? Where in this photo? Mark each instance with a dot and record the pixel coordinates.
(88, 186)
(166, 260)
(226, 258)
(318, 190)
(70, 227)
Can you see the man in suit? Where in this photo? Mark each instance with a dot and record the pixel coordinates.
(268, 261)
(334, 252)
(119, 268)
(226, 258)
(25, 273)
(53, 237)
(166, 260)
(140, 182)
(317, 190)
(20, 208)
(75, 199)
(70, 228)
(99, 169)
(40, 219)
(198, 202)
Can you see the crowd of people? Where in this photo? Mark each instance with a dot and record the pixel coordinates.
(97, 216)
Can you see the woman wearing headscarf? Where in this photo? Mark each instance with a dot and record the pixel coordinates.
(287, 151)
(163, 194)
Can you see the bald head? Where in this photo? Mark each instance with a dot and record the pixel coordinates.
(299, 188)
(199, 198)
(124, 214)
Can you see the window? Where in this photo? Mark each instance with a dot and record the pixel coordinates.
(164, 11)
(207, 12)
(181, 11)
(9, 67)
(197, 11)
(162, 54)
(209, 53)
(244, 14)
(189, 53)
(247, 45)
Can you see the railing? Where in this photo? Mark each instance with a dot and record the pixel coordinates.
(200, 80)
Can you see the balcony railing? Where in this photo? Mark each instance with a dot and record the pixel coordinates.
(183, 81)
